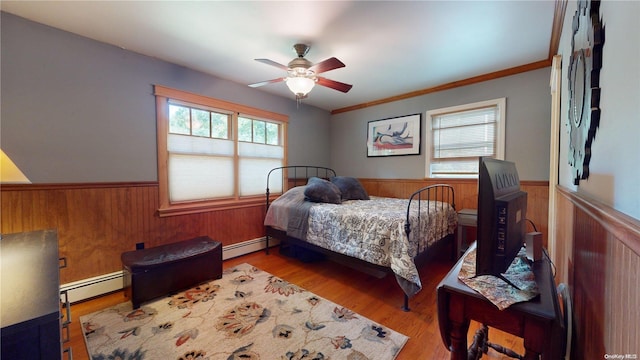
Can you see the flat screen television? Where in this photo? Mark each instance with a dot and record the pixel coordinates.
(502, 210)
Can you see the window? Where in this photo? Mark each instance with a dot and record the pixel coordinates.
(214, 154)
(459, 135)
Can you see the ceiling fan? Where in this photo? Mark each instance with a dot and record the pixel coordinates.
(302, 75)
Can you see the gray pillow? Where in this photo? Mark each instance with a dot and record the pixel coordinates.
(350, 188)
(321, 190)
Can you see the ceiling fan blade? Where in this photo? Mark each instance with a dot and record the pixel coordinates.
(273, 63)
(266, 82)
(326, 65)
(336, 85)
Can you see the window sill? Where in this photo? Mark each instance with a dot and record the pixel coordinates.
(208, 206)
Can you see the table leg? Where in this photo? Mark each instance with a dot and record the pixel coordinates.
(479, 344)
(537, 340)
(459, 340)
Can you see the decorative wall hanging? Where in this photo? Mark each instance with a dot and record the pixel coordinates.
(584, 85)
(394, 136)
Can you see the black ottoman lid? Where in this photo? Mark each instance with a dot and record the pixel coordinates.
(164, 254)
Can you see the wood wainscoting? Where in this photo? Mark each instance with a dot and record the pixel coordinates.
(598, 255)
(96, 222)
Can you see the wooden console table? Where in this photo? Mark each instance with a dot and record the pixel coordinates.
(536, 321)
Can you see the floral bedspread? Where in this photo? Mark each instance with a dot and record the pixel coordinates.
(373, 230)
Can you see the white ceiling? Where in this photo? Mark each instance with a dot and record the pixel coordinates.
(389, 47)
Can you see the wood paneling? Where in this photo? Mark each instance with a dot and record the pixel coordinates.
(97, 222)
(600, 261)
(562, 255)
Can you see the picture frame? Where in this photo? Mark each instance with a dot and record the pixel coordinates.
(394, 136)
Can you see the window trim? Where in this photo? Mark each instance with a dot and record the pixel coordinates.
(163, 96)
(501, 103)
(175, 102)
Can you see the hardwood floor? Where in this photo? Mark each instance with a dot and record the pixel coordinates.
(378, 299)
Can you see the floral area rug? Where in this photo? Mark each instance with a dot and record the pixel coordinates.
(248, 314)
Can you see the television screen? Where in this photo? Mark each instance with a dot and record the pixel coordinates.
(502, 208)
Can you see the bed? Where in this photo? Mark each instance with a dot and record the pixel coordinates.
(369, 233)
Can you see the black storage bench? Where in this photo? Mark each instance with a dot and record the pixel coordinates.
(161, 270)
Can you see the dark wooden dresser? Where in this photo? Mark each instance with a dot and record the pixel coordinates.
(30, 296)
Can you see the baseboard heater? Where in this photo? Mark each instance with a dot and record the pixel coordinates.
(104, 284)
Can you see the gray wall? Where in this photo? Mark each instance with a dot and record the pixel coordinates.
(615, 163)
(527, 128)
(76, 110)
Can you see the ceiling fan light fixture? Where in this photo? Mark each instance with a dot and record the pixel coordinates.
(300, 85)
(302, 74)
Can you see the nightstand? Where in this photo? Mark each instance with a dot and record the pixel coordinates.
(466, 218)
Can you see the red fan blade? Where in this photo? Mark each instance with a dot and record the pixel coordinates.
(326, 65)
(336, 85)
(267, 82)
(273, 63)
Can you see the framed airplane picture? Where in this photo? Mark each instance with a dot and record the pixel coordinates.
(394, 136)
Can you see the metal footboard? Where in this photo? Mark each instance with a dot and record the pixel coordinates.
(441, 193)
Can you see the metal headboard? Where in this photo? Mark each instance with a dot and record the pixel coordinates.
(299, 172)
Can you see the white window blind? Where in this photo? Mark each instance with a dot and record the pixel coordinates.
(255, 162)
(199, 168)
(199, 177)
(206, 173)
(460, 135)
